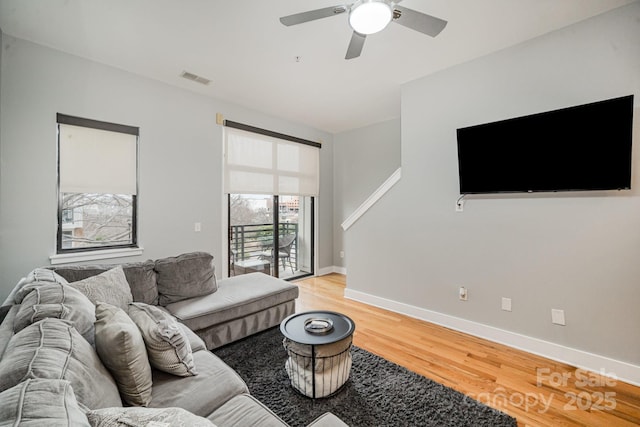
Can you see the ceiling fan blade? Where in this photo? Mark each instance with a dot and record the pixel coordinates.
(355, 45)
(312, 15)
(426, 24)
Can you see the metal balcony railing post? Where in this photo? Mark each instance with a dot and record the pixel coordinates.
(242, 241)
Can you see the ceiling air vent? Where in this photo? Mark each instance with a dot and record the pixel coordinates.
(194, 77)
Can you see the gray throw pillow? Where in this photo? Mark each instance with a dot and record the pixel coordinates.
(121, 348)
(110, 287)
(53, 349)
(167, 345)
(185, 276)
(37, 275)
(37, 402)
(49, 299)
(127, 417)
(141, 277)
(3, 312)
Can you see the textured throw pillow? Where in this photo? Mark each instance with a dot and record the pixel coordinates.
(110, 287)
(167, 345)
(48, 299)
(121, 348)
(36, 402)
(185, 276)
(140, 275)
(127, 417)
(53, 349)
(37, 275)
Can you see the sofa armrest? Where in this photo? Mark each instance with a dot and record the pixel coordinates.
(327, 420)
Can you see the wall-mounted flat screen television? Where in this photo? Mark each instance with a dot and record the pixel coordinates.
(587, 147)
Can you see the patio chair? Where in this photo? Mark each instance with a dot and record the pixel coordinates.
(284, 251)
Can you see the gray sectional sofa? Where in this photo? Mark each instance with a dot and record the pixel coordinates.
(218, 311)
(128, 345)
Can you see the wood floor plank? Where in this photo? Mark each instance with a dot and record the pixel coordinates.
(513, 381)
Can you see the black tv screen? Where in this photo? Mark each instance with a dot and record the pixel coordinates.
(587, 147)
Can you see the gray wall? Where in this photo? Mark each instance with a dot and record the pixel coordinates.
(363, 159)
(1, 150)
(180, 156)
(577, 252)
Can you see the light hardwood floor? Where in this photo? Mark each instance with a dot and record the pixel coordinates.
(534, 390)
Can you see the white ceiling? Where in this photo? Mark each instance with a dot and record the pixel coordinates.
(251, 58)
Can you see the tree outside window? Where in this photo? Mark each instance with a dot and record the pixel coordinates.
(97, 174)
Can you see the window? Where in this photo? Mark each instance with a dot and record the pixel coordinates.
(97, 185)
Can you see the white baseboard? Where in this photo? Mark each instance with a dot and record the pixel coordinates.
(623, 371)
(331, 269)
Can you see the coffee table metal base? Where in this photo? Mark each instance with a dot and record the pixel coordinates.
(319, 360)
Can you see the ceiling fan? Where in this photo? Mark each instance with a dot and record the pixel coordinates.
(370, 16)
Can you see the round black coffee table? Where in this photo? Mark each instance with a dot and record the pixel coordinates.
(316, 329)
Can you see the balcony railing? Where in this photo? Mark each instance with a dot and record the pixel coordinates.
(255, 241)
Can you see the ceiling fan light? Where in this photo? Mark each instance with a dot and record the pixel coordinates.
(370, 16)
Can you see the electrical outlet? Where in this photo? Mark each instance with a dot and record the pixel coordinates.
(460, 206)
(341, 254)
(463, 294)
(506, 304)
(197, 227)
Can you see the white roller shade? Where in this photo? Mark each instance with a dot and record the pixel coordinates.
(259, 164)
(97, 161)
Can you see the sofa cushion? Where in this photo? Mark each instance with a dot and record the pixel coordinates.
(127, 417)
(167, 345)
(121, 349)
(214, 385)
(141, 277)
(195, 342)
(327, 420)
(245, 410)
(185, 276)
(4, 310)
(6, 327)
(37, 275)
(38, 402)
(236, 297)
(110, 287)
(49, 299)
(53, 349)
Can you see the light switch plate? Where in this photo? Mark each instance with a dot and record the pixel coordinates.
(557, 317)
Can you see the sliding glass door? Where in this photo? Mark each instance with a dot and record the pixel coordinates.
(270, 179)
(271, 234)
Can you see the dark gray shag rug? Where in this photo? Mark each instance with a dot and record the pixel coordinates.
(379, 393)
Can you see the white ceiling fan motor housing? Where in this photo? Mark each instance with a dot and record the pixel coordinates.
(370, 16)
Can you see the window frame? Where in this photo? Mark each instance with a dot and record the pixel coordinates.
(63, 119)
